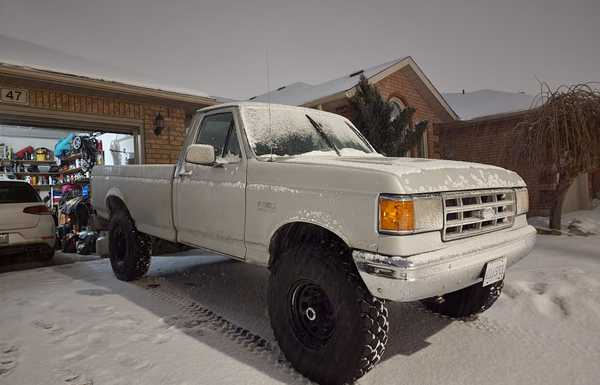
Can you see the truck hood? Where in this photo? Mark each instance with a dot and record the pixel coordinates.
(416, 175)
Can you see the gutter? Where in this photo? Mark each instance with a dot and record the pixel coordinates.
(100, 85)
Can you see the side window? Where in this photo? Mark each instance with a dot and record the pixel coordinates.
(232, 151)
(218, 130)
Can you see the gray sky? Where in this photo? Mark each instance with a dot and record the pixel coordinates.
(219, 46)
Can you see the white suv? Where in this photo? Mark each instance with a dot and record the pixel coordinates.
(26, 224)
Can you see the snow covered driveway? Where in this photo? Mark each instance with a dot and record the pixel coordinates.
(204, 321)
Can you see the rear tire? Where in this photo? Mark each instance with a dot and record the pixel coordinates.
(327, 323)
(129, 249)
(48, 256)
(466, 302)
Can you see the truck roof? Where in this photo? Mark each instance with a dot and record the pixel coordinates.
(265, 106)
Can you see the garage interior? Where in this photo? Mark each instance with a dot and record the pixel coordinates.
(56, 127)
(46, 158)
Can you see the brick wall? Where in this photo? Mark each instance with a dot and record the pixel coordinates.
(405, 85)
(408, 87)
(157, 149)
(490, 140)
(165, 147)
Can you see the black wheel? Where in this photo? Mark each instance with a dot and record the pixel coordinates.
(76, 143)
(48, 256)
(465, 302)
(84, 165)
(327, 324)
(129, 249)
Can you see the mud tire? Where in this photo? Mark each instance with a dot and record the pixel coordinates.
(466, 302)
(359, 336)
(129, 249)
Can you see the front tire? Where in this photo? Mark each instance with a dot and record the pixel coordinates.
(466, 302)
(48, 256)
(327, 324)
(129, 249)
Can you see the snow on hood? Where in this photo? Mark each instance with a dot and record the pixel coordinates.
(416, 175)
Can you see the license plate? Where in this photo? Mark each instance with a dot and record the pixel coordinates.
(3, 239)
(494, 271)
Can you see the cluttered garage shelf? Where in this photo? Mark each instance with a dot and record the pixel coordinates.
(61, 174)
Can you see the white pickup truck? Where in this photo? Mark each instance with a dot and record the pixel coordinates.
(341, 227)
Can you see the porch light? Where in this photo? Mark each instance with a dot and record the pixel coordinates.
(159, 124)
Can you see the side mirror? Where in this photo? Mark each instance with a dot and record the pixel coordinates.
(203, 154)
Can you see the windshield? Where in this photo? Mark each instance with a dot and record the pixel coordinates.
(295, 131)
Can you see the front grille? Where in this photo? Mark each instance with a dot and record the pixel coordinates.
(469, 213)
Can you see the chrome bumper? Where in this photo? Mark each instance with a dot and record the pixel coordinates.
(456, 266)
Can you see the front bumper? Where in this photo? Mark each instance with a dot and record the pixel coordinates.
(456, 266)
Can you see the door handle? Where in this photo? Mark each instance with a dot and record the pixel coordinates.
(185, 173)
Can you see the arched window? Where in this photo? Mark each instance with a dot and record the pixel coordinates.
(397, 107)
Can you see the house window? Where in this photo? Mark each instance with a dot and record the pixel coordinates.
(397, 107)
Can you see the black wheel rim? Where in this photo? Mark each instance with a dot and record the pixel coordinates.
(313, 318)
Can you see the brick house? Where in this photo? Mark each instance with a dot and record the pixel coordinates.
(483, 139)
(51, 99)
(488, 139)
(399, 81)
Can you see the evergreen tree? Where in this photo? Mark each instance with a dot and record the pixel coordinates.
(372, 115)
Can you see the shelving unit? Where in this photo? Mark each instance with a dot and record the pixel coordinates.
(78, 182)
(34, 162)
(14, 165)
(71, 171)
(27, 173)
(67, 175)
(71, 158)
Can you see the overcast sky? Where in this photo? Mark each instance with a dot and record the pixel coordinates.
(219, 46)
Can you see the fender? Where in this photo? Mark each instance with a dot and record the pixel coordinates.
(112, 192)
(311, 221)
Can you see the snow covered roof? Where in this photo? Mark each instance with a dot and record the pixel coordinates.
(300, 93)
(223, 99)
(480, 103)
(22, 54)
(304, 94)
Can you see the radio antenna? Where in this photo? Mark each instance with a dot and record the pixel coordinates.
(269, 102)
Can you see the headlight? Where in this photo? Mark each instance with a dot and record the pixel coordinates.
(402, 214)
(522, 201)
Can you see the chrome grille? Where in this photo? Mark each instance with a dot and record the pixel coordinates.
(469, 213)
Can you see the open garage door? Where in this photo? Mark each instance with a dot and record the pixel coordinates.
(56, 152)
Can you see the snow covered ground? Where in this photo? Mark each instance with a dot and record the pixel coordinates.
(584, 222)
(203, 320)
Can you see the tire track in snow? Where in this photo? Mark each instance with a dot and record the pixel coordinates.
(204, 318)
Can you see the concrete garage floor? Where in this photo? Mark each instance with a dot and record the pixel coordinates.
(202, 319)
(24, 262)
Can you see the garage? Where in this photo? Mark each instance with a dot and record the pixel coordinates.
(55, 127)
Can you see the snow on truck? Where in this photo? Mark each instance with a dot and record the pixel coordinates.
(342, 228)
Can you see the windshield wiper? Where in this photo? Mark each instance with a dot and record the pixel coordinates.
(322, 134)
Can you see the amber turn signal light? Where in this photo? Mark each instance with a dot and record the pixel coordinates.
(397, 215)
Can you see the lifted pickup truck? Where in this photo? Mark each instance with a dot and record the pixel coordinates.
(341, 228)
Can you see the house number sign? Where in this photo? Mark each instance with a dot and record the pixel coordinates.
(14, 95)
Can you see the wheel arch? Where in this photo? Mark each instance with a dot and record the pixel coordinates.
(115, 201)
(300, 232)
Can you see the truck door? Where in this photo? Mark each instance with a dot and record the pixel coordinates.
(209, 201)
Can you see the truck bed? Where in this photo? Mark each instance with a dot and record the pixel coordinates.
(147, 191)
